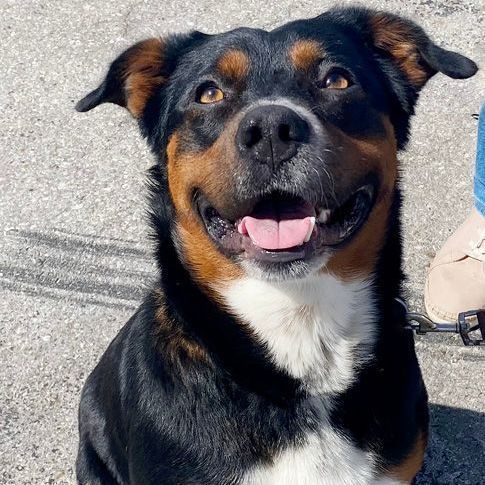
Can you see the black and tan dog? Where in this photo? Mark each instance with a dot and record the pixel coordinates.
(271, 350)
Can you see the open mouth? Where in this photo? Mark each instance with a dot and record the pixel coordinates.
(283, 227)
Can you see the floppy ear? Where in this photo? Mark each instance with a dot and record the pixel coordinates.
(132, 78)
(412, 51)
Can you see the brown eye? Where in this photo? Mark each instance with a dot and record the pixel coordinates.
(210, 95)
(336, 80)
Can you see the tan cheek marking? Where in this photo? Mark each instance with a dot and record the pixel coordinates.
(410, 467)
(233, 64)
(142, 74)
(186, 171)
(305, 53)
(359, 258)
(176, 344)
(395, 37)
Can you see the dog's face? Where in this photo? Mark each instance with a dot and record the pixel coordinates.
(278, 149)
(284, 155)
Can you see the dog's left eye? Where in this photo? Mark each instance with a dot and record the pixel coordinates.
(335, 80)
(209, 95)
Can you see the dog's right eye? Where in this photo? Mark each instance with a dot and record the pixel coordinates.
(209, 95)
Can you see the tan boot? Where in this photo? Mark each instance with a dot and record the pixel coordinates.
(456, 277)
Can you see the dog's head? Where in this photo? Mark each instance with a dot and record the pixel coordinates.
(277, 150)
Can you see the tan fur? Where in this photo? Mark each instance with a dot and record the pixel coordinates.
(234, 65)
(176, 343)
(394, 36)
(187, 171)
(409, 468)
(305, 53)
(142, 74)
(359, 257)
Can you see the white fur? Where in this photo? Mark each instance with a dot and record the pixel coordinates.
(318, 329)
(326, 459)
(319, 461)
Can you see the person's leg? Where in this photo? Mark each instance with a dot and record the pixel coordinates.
(480, 164)
(456, 277)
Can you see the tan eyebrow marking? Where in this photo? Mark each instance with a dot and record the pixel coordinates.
(304, 53)
(233, 64)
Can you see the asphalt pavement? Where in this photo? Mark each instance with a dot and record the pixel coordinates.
(74, 256)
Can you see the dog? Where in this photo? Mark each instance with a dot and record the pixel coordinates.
(272, 348)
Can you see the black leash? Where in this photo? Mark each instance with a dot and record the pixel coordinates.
(470, 325)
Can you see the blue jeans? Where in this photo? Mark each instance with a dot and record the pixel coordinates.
(479, 189)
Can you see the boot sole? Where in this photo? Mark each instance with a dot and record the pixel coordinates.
(434, 316)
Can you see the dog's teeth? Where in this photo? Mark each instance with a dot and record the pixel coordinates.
(310, 229)
(324, 216)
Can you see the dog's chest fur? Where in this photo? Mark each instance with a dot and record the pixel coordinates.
(327, 459)
(320, 331)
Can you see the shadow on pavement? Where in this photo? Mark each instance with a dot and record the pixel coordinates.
(456, 450)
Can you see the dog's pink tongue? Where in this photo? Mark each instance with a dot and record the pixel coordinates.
(268, 233)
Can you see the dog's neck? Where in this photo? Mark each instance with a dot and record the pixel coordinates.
(319, 330)
(278, 339)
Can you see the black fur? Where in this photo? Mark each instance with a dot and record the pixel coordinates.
(150, 415)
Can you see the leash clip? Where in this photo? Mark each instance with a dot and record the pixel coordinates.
(422, 324)
(470, 325)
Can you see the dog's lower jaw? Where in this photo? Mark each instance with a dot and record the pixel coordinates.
(319, 329)
(291, 272)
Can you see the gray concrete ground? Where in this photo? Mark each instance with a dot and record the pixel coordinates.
(74, 257)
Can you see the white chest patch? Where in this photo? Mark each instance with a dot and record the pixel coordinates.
(325, 460)
(318, 329)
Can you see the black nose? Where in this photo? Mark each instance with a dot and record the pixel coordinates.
(271, 134)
